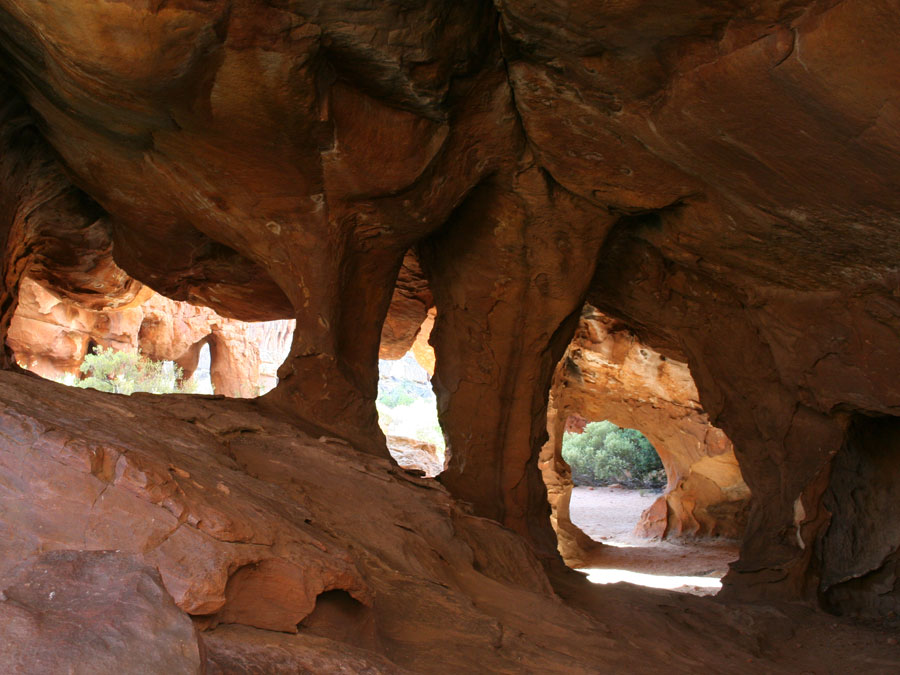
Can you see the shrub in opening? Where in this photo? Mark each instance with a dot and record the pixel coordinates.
(604, 454)
(406, 407)
(127, 372)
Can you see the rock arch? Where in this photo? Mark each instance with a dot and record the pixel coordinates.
(607, 373)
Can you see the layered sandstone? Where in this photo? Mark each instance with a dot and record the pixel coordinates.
(124, 520)
(607, 374)
(719, 176)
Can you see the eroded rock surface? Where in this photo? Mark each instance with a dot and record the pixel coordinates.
(720, 176)
(89, 612)
(607, 374)
(410, 305)
(239, 649)
(253, 522)
(250, 523)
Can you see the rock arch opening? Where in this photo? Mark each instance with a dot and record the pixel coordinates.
(52, 336)
(607, 376)
(617, 476)
(407, 405)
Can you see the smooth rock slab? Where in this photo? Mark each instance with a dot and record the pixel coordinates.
(240, 649)
(92, 612)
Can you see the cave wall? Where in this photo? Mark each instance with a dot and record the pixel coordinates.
(608, 374)
(51, 231)
(787, 426)
(733, 165)
(858, 551)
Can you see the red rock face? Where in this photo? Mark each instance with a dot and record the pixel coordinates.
(719, 177)
(88, 611)
(607, 374)
(251, 521)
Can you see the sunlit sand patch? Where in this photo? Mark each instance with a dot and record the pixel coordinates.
(612, 576)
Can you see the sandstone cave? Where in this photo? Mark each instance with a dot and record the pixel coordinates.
(694, 527)
(684, 218)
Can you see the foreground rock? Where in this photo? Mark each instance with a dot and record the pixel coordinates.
(253, 523)
(239, 649)
(92, 613)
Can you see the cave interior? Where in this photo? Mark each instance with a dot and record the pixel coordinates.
(703, 196)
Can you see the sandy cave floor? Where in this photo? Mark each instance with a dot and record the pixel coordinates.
(609, 514)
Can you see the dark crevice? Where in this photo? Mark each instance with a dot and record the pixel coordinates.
(858, 556)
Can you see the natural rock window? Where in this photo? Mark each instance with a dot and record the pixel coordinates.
(608, 379)
(51, 336)
(617, 476)
(407, 406)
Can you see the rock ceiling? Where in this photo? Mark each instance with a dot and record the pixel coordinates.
(720, 176)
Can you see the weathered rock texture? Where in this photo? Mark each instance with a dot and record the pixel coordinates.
(51, 231)
(863, 480)
(607, 374)
(416, 455)
(50, 336)
(410, 305)
(89, 612)
(721, 176)
(257, 534)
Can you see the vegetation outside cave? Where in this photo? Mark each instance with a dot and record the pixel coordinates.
(407, 413)
(127, 372)
(617, 475)
(605, 454)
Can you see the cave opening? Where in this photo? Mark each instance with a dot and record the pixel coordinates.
(408, 416)
(617, 475)
(618, 495)
(153, 345)
(642, 487)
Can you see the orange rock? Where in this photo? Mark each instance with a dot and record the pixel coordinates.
(608, 374)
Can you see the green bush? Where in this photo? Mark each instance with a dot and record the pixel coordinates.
(606, 454)
(127, 372)
(393, 397)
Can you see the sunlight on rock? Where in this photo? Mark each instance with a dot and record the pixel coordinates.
(613, 576)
